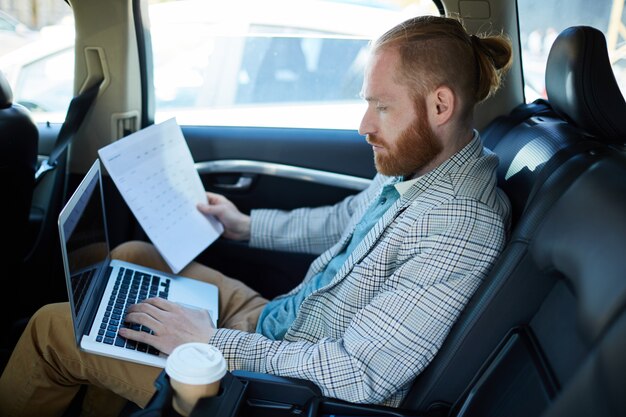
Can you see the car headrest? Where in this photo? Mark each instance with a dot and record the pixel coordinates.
(6, 94)
(581, 86)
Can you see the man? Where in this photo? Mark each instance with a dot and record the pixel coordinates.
(398, 261)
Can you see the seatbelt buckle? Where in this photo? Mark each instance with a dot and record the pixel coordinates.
(44, 167)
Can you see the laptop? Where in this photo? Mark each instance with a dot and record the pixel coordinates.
(100, 288)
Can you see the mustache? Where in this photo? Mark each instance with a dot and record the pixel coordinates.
(374, 140)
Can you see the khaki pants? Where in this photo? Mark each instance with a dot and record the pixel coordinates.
(46, 368)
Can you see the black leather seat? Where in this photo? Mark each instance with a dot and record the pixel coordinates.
(582, 87)
(18, 158)
(554, 154)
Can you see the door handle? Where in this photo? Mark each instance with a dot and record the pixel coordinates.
(243, 183)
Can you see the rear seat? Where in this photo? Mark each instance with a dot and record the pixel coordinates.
(551, 155)
(545, 334)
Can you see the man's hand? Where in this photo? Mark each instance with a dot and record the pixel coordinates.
(236, 224)
(172, 324)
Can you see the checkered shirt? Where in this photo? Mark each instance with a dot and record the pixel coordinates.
(365, 336)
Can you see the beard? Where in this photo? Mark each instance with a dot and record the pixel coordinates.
(415, 147)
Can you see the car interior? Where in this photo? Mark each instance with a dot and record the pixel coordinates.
(544, 335)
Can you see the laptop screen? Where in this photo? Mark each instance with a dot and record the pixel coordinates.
(83, 230)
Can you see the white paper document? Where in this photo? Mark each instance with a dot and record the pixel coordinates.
(154, 171)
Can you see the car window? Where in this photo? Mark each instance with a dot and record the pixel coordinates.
(538, 31)
(46, 85)
(38, 59)
(283, 63)
(292, 63)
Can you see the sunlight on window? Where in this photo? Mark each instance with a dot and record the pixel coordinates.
(291, 63)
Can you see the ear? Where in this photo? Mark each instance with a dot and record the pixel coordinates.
(442, 105)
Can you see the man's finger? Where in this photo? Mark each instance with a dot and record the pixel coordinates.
(160, 303)
(142, 319)
(137, 336)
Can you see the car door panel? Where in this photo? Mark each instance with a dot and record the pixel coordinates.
(340, 151)
(275, 168)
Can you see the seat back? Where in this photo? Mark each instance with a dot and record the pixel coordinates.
(563, 306)
(527, 155)
(18, 158)
(541, 159)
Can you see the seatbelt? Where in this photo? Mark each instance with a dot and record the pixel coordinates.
(76, 112)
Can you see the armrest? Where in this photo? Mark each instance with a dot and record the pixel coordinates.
(333, 407)
(244, 393)
(275, 396)
(270, 395)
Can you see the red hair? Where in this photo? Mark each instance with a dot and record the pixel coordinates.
(438, 51)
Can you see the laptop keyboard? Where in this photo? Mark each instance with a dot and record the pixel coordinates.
(131, 287)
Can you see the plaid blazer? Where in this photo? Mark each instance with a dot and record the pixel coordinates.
(367, 335)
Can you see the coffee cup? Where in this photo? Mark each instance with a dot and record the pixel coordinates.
(195, 371)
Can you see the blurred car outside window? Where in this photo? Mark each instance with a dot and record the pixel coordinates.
(541, 21)
(279, 63)
(40, 69)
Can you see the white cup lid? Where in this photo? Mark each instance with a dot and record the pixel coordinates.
(196, 364)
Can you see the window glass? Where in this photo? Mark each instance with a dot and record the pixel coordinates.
(37, 56)
(541, 22)
(285, 63)
(46, 85)
(292, 63)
